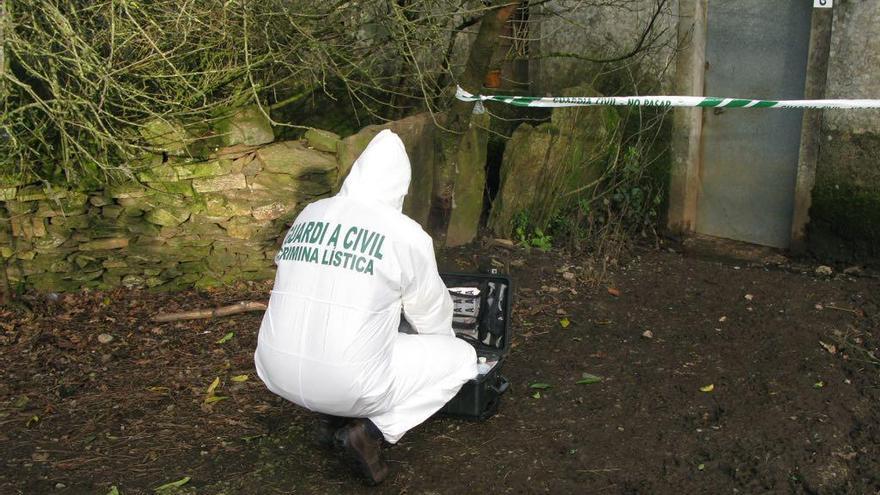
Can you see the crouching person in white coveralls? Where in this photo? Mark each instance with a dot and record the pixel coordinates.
(329, 340)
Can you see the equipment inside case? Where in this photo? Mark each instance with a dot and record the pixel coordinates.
(481, 314)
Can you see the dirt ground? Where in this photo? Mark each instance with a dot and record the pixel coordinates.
(789, 355)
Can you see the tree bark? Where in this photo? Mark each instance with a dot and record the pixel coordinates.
(458, 118)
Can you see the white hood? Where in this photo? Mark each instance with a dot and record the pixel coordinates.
(382, 173)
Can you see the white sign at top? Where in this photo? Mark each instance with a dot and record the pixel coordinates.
(822, 4)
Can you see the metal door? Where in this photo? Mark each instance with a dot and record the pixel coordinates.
(754, 49)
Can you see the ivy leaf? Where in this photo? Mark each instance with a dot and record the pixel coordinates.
(173, 484)
(587, 379)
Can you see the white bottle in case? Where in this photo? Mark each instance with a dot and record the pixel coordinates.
(482, 366)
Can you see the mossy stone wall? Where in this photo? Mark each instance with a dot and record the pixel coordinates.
(184, 222)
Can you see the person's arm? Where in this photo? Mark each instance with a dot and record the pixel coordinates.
(427, 304)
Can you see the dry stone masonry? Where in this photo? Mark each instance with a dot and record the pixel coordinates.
(182, 223)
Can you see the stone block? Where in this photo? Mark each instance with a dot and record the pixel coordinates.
(132, 212)
(144, 229)
(167, 217)
(114, 263)
(544, 167)
(271, 211)
(470, 183)
(111, 211)
(322, 140)
(159, 173)
(7, 193)
(74, 204)
(293, 158)
(85, 276)
(100, 244)
(127, 190)
(100, 199)
(20, 208)
(181, 188)
(52, 282)
(200, 170)
(207, 282)
(54, 238)
(248, 125)
(25, 254)
(132, 281)
(75, 222)
(417, 134)
(165, 135)
(222, 183)
(289, 188)
(243, 228)
(248, 164)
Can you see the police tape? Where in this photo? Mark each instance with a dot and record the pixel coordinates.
(661, 101)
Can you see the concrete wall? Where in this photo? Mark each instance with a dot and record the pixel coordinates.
(600, 29)
(845, 213)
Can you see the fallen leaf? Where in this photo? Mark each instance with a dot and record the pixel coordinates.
(32, 421)
(239, 378)
(225, 338)
(113, 491)
(614, 292)
(21, 402)
(587, 379)
(749, 297)
(648, 334)
(708, 388)
(819, 384)
(564, 322)
(213, 386)
(536, 395)
(540, 385)
(701, 467)
(829, 347)
(173, 484)
(214, 398)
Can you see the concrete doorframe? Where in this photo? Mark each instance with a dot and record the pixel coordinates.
(684, 186)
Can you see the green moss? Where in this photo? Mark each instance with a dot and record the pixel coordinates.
(849, 211)
(846, 197)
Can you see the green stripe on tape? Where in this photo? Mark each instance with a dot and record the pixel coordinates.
(523, 101)
(710, 102)
(738, 103)
(765, 104)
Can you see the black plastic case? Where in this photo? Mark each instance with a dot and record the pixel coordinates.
(480, 398)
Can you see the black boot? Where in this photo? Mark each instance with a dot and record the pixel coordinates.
(327, 427)
(362, 442)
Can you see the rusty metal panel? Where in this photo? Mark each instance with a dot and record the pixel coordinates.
(754, 49)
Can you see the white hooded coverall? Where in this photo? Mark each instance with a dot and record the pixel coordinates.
(329, 339)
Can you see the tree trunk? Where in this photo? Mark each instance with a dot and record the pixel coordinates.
(458, 118)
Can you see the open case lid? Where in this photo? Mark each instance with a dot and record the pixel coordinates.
(482, 306)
